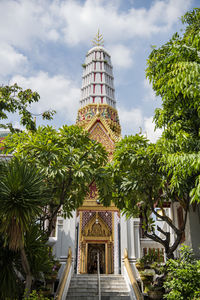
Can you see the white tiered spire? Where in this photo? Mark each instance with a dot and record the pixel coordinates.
(97, 92)
(97, 79)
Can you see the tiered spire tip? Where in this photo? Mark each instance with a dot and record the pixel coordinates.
(98, 40)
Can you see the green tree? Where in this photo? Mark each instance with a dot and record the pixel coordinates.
(40, 261)
(70, 161)
(146, 175)
(137, 184)
(11, 284)
(174, 71)
(38, 252)
(22, 196)
(183, 277)
(13, 99)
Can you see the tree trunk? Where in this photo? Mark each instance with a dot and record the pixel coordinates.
(26, 267)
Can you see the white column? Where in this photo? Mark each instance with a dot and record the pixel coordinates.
(131, 241)
(132, 231)
(116, 250)
(66, 237)
(124, 239)
(136, 222)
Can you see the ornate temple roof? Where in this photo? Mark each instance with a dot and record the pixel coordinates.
(97, 113)
(97, 93)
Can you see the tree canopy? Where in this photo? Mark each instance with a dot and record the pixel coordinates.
(13, 99)
(144, 176)
(69, 159)
(174, 71)
(183, 276)
(49, 174)
(138, 185)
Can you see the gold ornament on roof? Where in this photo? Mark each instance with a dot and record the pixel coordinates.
(98, 40)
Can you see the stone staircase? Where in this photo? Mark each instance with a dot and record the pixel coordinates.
(84, 287)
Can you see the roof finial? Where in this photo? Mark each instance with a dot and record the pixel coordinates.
(98, 40)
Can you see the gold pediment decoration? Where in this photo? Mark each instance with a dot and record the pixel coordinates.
(99, 134)
(104, 122)
(96, 227)
(103, 113)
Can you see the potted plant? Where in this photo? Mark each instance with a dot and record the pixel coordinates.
(50, 278)
(155, 292)
(45, 291)
(54, 275)
(40, 295)
(57, 265)
(147, 278)
(151, 258)
(139, 265)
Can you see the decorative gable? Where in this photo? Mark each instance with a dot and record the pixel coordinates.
(96, 227)
(100, 134)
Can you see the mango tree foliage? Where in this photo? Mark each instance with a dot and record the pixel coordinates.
(174, 71)
(69, 159)
(137, 185)
(13, 99)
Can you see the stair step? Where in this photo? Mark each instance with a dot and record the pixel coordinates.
(97, 298)
(84, 287)
(94, 293)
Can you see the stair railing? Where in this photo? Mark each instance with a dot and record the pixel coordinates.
(65, 277)
(98, 277)
(131, 277)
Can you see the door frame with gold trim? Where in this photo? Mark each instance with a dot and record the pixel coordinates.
(96, 233)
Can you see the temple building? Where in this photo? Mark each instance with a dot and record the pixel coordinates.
(93, 226)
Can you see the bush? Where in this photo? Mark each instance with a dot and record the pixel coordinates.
(35, 296)
(183, 276)
(151, 257)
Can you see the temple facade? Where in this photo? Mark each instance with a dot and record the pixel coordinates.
(93, 226)
(96, 227)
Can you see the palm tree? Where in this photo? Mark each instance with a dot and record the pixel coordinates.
(22, 196)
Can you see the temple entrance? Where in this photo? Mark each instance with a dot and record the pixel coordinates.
(92, 258)
(96, 236)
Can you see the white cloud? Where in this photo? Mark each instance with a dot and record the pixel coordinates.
(131, 120)
(25, 24)
(53, 35)
(10, 60)
(121, 56)
(149, 130)
(56, 92)
(30, 24)
(22, 21)
(149, 92)
(83, 18)
(134, 120)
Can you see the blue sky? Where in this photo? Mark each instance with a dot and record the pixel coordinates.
(44, 42)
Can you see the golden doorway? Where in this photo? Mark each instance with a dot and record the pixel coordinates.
(96, 235)
(93, 249)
